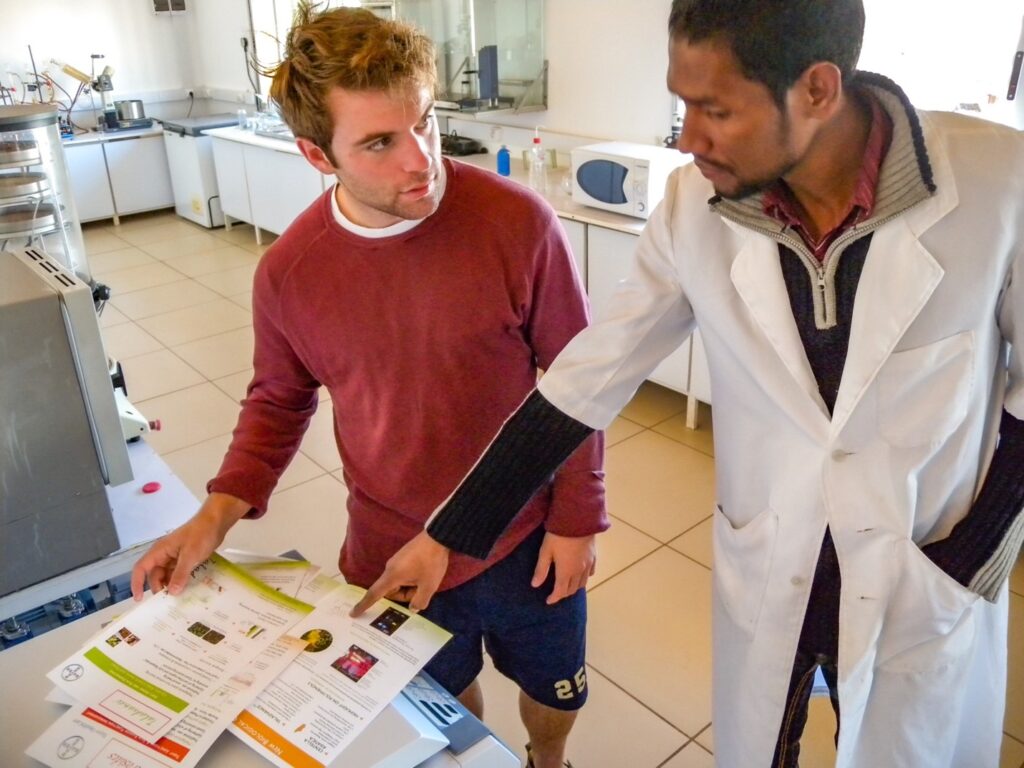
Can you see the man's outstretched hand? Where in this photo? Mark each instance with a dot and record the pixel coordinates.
(412, 575)
(170, 560)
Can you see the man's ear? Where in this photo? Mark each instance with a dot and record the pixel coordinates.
(817, 94)
(315, 156)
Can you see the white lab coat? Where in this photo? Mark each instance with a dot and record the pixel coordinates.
(922, 661)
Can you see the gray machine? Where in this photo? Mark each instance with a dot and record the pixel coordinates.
(61, 441)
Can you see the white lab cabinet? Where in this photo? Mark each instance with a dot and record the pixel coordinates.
(610, 255)
(576, 231)
(229, 163)
(139, 175)
(90, 186)
(281, 186)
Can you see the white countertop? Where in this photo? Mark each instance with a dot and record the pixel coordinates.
(244, 136)
(97, 137)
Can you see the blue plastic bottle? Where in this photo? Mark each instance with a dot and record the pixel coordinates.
(504, 162)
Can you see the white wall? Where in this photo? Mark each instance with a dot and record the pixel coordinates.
(607, 62)
(947, 53)
(607, 57)
(218, 27)
(156, 57)
(150, 53)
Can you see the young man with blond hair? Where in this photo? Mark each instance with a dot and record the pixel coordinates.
(424, 294)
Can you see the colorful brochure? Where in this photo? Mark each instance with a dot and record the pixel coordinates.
(145, 671)
(84, 738)
(351, 669)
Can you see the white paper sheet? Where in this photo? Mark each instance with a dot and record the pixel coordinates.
(147, 669)
(83, 738)
(351, 669)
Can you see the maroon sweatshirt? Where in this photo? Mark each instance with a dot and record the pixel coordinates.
(427, 341)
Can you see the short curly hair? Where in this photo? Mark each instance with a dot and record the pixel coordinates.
(349, 48)
(775, 41)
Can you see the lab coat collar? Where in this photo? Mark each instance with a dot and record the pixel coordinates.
(916, 189)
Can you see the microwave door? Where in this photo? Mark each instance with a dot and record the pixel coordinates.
(604, 181)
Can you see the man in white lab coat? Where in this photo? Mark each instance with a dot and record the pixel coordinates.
(856, 269)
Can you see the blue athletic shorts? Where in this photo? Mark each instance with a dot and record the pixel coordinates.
(540, 647)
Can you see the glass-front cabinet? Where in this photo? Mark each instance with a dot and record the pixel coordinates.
(490, 53)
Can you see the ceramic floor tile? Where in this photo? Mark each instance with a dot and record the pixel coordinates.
(706, 738)
(659, 486)
(597, 737)
(196, 464)
(696, 543)
(620, 429)
(123, 258)
(137, 278)
(220, 355)
(162, 298)
(99, 240)
(1017, 576)
(226, 257)
(650, 633)
(235, 385)
(128, 340)
(1012, 755)
(618, 548)
(301, 470)
(177, 247)
(161, 232)
(239, 234)
(318, 442)
(244, 235)
(243, 299)
(653, 404)
(198, 322)
(817, 746)
(691, 756)
(1014, 722)
(231, 281)
(111, 315)
(137, 221)
(700, 438)
(310, 518)
(189, 416)
(157, 373)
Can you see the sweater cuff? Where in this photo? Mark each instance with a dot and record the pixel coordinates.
(528, 450)
(982, 548)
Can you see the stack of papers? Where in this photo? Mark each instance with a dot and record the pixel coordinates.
(262, 647)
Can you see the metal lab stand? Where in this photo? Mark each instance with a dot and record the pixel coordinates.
(36, 207)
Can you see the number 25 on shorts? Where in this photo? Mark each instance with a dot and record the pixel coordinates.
(569, 689)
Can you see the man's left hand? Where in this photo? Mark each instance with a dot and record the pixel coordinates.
(574, 559)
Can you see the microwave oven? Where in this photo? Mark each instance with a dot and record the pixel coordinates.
(623, 177)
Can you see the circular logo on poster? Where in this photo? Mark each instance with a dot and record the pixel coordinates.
(317, 640)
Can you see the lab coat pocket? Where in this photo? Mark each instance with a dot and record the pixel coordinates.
(929, 623)
(923, 393)
(742, 561)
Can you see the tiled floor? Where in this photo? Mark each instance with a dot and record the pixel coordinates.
(180, 323)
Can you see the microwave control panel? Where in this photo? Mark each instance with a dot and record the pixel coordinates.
(641, 173)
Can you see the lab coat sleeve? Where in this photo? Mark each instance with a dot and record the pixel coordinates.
(648, 317)
(982, 548)
(1011, 323)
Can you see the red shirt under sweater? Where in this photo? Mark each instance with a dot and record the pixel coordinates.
(427, 342)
